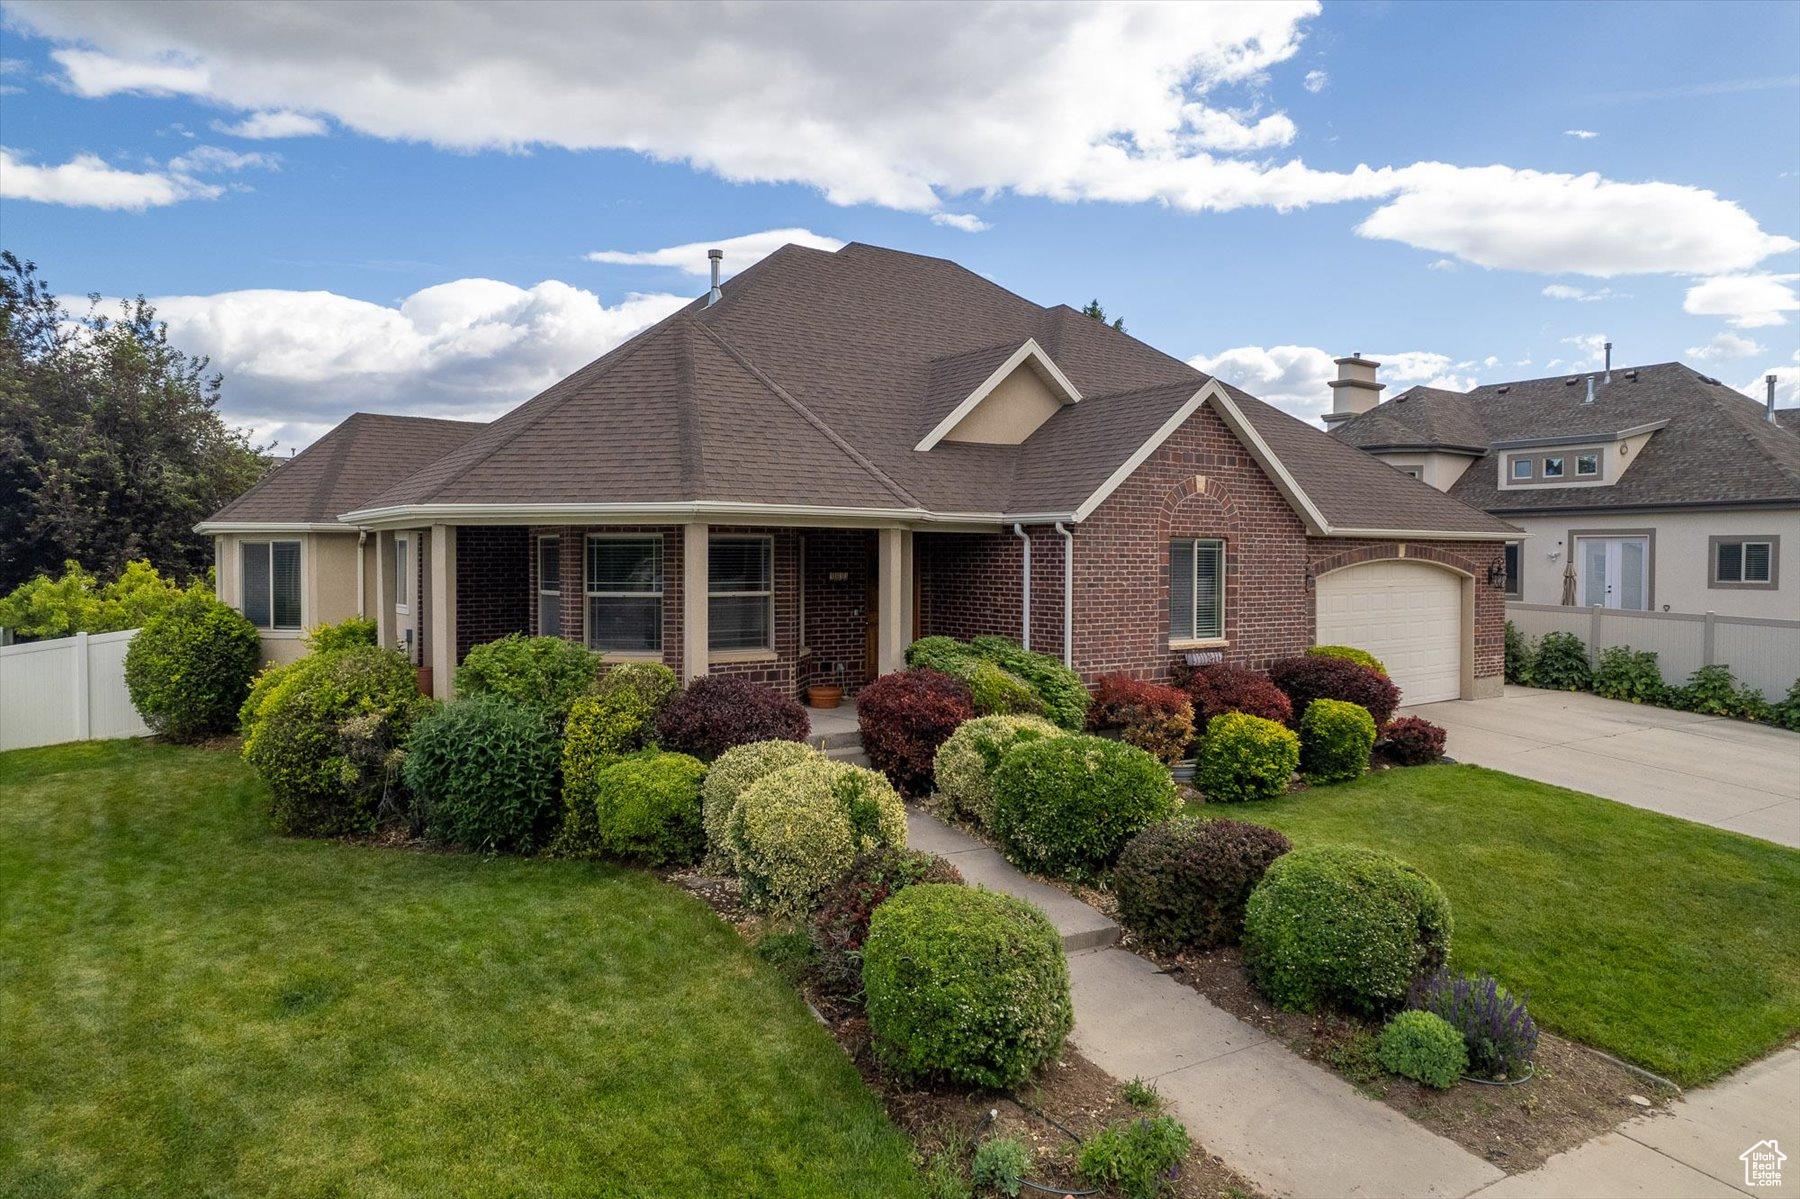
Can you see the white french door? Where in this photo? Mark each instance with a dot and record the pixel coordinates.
(1615, 572)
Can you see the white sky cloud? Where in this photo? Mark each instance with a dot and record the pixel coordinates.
(1592, 347)
(740, 252)
(1787, 384)
(1127, 104)
(1583, 134)
(297, 362)
(1724, 345)
(968, 222)
(278, 123)
(89, 181)
(1747, 301)
(1582, 295)
(1297, 379)
(1315, 81)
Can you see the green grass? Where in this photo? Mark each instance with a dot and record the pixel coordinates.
(1669, 944)
(190, 1005)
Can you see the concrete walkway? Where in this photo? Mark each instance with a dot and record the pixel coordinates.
(1726, 773)
(1290, 1127)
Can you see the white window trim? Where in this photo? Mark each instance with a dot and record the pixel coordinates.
(1587, 474)
(403, 579)
(1559, 472)
(1528, 471)
(588, 593)
(537, 563)
(270, 630)
(1203, 640)
(1743, 544)
(750, 653)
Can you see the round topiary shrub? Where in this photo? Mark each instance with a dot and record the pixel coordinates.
(1343, 925)
(719, 711)
(904, 717)
(1310, 677)
(1336, 739)
(618, 719)
(1244, 757)
(1067, 805)
(1183, 884)
(795, 832)
(546, 674)
(965, 764)
(1350, 653)
(1413, 741)
(731, 773)
(841, 925)
(482, 771)
(188, 669)
(1423, 1046)
(1158, 720)
(1217, 690)
(647, 807)
(965, 984)
(311, 734)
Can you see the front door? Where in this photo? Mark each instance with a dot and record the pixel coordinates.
(1615, 573)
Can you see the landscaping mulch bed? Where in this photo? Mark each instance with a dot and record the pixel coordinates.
(1069, 1100)
(1574, 1096)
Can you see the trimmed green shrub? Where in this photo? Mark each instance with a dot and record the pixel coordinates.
(352, 632)
(1343, 925)
(965, 984)
(482, 771)
(297, 737)
(1519, 654)
(997, 691)
(547, 674)
(796, 832)
(1058, 692)
(1786, 714)
(1423, 1046)
(965, 764)
(1496, 1029)
(1000, 1164)
(841, 926)
(188, 669)
(736, 769)
(1141, 1157)
(1561, 663)
(651, 686)
(1349, 653)
(1336, 739)
(1715, 691)
(947, 654)
(1067, 805)
(1633, 677)
(618, 719)
(1183, 884)
(1244, 757)
(1065, 696)
(647, 807)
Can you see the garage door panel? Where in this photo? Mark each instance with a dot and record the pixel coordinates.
(1407, 614)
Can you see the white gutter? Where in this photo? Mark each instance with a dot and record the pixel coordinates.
(1024, 587)
(1068, 595)
(362, 606)
(668, 512)
(271, 526)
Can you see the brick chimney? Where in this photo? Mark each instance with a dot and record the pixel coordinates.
(1355, 390)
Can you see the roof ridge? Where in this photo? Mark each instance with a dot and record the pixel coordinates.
(812, 418)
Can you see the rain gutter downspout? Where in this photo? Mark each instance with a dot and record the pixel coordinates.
(362, 539)
(1068, 537)
(1024, 586)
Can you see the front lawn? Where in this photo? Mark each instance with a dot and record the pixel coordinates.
(192, 1005)
(1672, 945)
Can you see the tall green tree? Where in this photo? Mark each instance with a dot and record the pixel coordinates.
(111, 444)
(1094, 310)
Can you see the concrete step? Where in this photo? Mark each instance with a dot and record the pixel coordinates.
(852, 754)
(838, 739)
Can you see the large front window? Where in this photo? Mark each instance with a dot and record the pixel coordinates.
(740, 603)
(1196, 590)
(549, 588)
(271, 579)
(624, 594)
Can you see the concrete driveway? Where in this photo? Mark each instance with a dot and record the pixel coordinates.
(1726, 773)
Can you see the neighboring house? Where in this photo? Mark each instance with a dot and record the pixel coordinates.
(1663, 489)
(793, 477)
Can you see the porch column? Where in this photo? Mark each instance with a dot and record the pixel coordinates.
(894, 624)
(443, 609)
(694, 632)
(387, 632)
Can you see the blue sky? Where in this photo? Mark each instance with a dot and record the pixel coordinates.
(366, 208)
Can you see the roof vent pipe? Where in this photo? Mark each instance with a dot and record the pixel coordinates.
(715, 295)
(1024, 586)
(1609, 362)
(1590, 392)
(1770, 380)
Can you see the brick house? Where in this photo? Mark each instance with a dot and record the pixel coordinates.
(834, 453)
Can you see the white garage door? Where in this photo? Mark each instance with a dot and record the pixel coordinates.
(1407, 614)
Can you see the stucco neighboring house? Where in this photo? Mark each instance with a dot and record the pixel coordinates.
(1663, 489)
(835, 453)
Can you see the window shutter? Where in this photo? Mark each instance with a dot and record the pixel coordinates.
(1181, 591)
(1756, 562)
(285, 574)
(254, 556)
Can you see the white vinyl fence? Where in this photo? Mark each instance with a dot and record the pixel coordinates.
(1764, 653)
(66, 689)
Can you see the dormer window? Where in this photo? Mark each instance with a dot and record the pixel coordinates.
(1553, 468)
(1587, 465)
(1015, 391)
(1521, 468)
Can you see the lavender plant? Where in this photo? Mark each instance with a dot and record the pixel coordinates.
(1497, 1030)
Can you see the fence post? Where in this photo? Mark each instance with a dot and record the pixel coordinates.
(83, 711)
(1707, 639)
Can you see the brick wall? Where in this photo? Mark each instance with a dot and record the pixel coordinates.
(836, 610)
(493, 584)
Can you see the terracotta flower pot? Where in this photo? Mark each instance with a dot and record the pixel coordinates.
(424, 680)
(824, 695)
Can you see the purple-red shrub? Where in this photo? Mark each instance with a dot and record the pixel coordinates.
(904, 717)
(1310, 677)
(719, 711)
(1413, 741)
(1155, 718)
(1217, 690)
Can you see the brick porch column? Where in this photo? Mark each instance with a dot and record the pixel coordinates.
(443, 610)
(694, 653)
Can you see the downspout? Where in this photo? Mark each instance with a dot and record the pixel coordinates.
(1068, 537)
(362, 605)
(1024, 587)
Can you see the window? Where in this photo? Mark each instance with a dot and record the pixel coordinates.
(1743, 562)
(740, 605)
(1587, 464)
(1521, 468)
(271, 578)
(624, 594)
(402, 573)
(1196, 590)
(549, 587)
(1513, 555)
(1553, 468)
(1410, 470)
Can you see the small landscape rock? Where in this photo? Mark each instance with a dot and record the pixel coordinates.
(1640, 1101)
